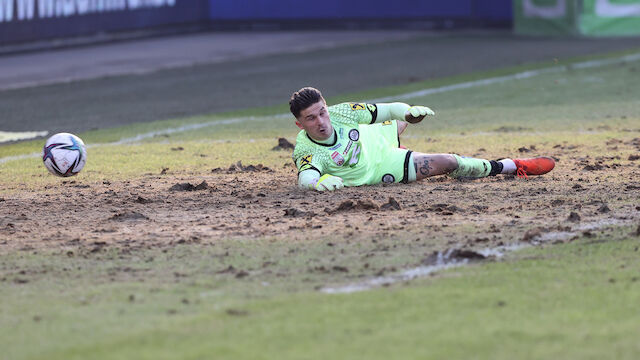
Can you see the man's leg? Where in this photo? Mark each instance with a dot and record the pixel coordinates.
(426, 165)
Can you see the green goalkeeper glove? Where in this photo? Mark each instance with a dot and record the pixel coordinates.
(415, 114)
(328, 182)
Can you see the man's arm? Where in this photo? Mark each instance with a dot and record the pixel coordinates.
(311, 179)
(402, 111)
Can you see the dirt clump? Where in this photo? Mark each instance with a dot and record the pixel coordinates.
(574, 217)
(293, 212)
(593, 167)
(532, 234)
(392, 204)
(349, 205)
(128, 215)
(141, 200)
(189, 187)
(239, 168)
(283, 144)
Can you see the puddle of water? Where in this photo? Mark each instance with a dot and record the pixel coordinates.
(445, 260)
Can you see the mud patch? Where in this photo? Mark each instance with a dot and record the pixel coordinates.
(128, 216)
(350, 205)
(239, 168)
(293, 212)
(189, 187)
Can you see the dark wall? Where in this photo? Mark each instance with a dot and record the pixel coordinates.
(379, 9)
(35, 20)
(28, 21)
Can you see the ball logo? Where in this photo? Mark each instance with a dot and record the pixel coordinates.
(388, 179)
(354, 134)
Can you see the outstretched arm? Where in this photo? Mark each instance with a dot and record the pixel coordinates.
(402, 111)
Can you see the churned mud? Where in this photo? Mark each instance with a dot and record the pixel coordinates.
(255, 202)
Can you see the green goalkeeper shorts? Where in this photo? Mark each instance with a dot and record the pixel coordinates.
(393, 163)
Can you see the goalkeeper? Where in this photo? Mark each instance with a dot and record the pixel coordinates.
(353, 144)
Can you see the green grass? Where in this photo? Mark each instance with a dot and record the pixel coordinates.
(570, 301)
(550, 108)
(577, 300)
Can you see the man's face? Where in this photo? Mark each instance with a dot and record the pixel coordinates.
(315, 121)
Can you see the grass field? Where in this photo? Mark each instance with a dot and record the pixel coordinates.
(112, 265)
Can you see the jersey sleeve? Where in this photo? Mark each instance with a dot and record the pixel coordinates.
(357, 113)
(305, 155)
(306, 162)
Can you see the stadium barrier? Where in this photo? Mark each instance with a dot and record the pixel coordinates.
(46, 23)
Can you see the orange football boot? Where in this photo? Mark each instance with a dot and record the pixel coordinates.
(534, 166)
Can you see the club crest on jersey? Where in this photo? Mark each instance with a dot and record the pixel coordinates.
(306, 160)
(354, 134)
(357, 106)
(337, 158)
(388, 179)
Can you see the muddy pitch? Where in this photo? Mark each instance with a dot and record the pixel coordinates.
(256, 202)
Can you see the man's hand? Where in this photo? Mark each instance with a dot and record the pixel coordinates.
(415, 114)
(329, 182)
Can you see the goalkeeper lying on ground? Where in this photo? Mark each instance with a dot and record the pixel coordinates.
(353, 144)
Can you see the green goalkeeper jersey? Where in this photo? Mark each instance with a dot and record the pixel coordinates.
(362, 153)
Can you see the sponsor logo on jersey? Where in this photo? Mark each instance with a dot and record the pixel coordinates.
(341, 133)
(336, 147)
(355, 155)
(306, 160)
(357, 106)
(346, 150)
(388, 122)
(372, 108)
(337, 158)
(388, 179)
(354, 134)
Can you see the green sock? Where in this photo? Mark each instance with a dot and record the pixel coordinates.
(471, 167)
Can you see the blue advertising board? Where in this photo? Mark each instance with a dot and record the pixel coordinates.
(376, 9)
(23, 21)
(34, 20)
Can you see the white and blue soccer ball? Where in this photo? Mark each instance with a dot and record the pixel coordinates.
(64, 154)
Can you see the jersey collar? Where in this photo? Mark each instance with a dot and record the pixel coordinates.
(335, 139)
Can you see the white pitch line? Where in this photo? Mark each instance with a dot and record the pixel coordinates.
(518, 76)
(140, 137)
(430, 91)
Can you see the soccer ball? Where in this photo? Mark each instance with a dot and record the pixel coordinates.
(64, 154)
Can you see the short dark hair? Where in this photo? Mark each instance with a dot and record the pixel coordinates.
(304, 98)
